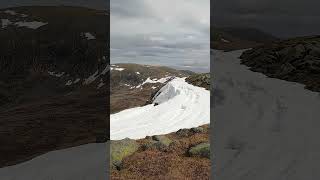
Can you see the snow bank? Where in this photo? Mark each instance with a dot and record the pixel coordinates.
(182, 105)
(264, 128)
(31, 24)
(89, 36)
(91, 78)
(84, 162)
(155, 80)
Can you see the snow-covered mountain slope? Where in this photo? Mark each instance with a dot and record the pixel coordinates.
(180, 105)
(84, 162)
(264, 128)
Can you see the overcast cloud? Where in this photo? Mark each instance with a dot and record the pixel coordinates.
(283, 18)
(172, 33)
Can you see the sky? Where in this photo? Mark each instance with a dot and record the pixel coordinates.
(282, 18)
(171, 33)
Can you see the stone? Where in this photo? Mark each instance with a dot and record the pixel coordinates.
(121, 149)
(200, 150)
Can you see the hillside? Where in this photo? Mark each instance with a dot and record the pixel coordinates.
(53, 61)
(133, 85)
(234, 38)
(161, 139)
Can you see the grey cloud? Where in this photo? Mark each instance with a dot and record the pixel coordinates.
(284, 18)
(156, 32)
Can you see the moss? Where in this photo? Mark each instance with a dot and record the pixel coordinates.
(121, 149)
(200, 150)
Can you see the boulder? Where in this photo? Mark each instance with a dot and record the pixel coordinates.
(197, 130)
(121, 149)
(200, 150)
(183, 132)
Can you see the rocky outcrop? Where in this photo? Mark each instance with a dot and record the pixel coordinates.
(296, 60)
(200, 150)
(201, 80)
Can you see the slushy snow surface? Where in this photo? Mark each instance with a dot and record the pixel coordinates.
(263, 128)
(180, 105)
(84, 162)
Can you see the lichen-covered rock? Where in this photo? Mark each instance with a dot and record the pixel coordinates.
(121, 149)
(197, 130)
(200, 150)
(162, 140)
(158, 142)
(183, 132)
(201, 80)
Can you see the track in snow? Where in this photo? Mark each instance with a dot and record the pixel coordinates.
(264, 128)
(181, 105)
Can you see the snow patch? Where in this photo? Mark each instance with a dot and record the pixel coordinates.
(5, 22)
(119, 69)
(89, 36)
(105, 70)
(84, 162)
(138, 73)
(56, 74)
(224, 40)
(91, 78)
(10, 12)
(100, 85)
(155, 80)
(76, 81)
(31, 24)
(69, 83)
(168, 116)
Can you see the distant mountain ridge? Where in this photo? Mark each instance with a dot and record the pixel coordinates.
(133, 85)
(234, 38)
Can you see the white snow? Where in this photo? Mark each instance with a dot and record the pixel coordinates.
(89, 36)
(56, 74)
(153, 87)
(138, 73)
(69, 83)
(5, 22)
(119, 69)
(91, 78)
(84, 162)
(264, 128)
(76, 81)
(105, 70)
(11, 12)
(181, 105)
(31, 24)
(224, 40)
(116, 68)
(153, 81)
(24, 15)
(100, 85)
